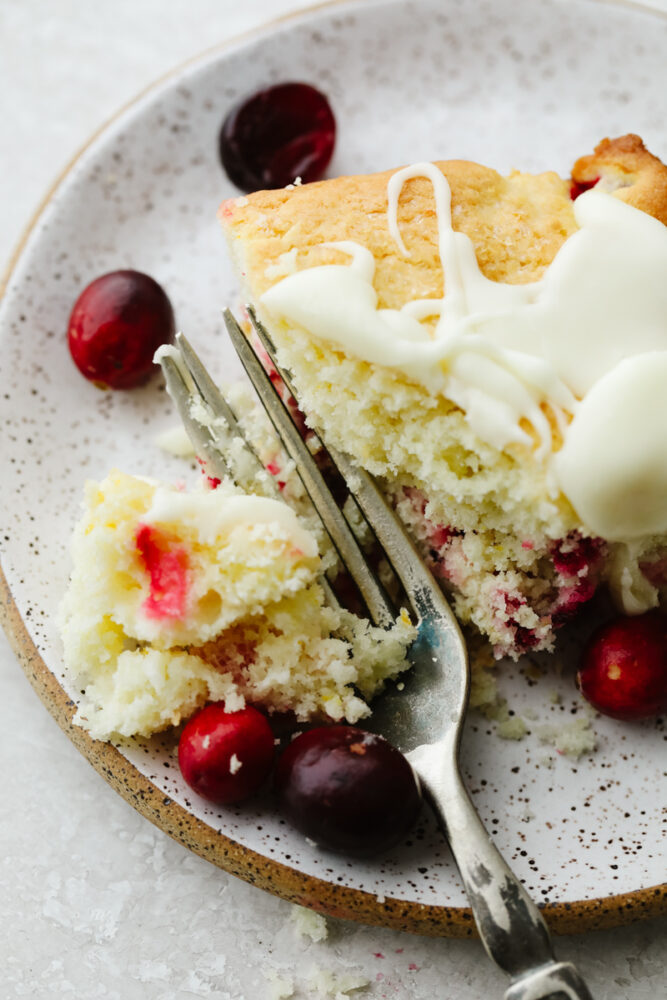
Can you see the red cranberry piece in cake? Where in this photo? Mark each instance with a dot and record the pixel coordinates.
(624, 667)
(348, 790)
(277, 135)
(226, 756)
(116, 326)
(167, 567)
(578, 187)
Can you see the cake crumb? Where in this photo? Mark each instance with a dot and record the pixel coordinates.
(285, 265)
(509, 726)
(309, 924)
(250, 587)
(176, 442)
(573, 739)
(483, 689)
(337, 987)
(280, 987)
(512, 728)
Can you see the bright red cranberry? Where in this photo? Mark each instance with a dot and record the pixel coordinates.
(624, 667)
(117, 324)
(348, 790)
(226, 756)
(277, 135)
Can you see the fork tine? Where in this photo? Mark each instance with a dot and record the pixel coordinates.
(341, 534)
(181, 388)
(185, 375)
(422, 589)
(188, 384)
(268, 345)
(205, 385)
(420, 586)
(432, 737)
(218, 405)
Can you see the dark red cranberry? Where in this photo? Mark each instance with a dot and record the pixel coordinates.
(578, 187)
(226, 756)
(570, 599)
(117, 324)
(624, 667)
(277, 135)
(348, 790)
(575, 556)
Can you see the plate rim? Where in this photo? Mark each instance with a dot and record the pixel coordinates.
(154, 804)
(291, 884)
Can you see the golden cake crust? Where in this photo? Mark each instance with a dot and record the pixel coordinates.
(487, 519)
(641, 176)
(517, 223)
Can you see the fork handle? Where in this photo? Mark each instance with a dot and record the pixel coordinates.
(510, 925)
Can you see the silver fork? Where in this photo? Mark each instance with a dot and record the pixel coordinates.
(424, 720)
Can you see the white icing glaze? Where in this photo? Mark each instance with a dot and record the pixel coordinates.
(620, 435)
(215, 516)
(504, 353)
(630, 589)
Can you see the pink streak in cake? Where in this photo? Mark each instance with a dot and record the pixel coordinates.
(227, 208)
(167, 567)
(577, 564)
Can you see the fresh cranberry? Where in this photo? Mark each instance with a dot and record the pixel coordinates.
(226, 756)
(624, 667)
(348, 790)
(117, 324)
(277, 135)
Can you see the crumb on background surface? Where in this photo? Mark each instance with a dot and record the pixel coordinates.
(308, 923)
(280, 987)
(573, 739)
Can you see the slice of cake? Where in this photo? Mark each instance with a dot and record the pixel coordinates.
(495, 350)
(177, 598)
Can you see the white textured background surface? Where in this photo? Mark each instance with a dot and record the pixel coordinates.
(95, 902)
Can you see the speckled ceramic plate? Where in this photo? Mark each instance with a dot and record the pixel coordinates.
(530, 84)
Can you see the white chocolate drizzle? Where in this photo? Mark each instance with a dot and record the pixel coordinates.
(507, 354)
(216, 515)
